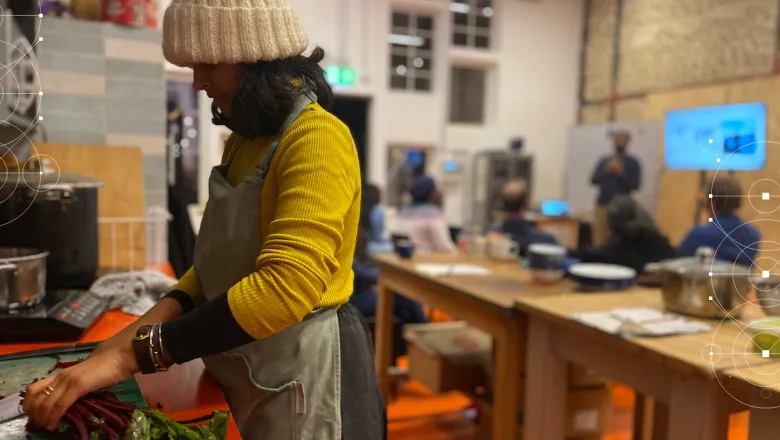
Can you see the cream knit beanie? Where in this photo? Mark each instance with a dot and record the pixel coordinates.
(231, 31)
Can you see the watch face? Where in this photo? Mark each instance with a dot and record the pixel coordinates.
(143, 333)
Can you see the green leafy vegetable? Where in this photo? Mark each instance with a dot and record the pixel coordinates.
(150, 424)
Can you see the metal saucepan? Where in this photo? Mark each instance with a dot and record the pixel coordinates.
(22, 277)
(768, 292)
(702, 286)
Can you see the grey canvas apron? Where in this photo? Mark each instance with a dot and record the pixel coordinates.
(288, 385)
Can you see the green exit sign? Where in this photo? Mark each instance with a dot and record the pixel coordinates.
(340, 76)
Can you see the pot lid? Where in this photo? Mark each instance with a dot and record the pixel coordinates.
(46, 180)
(702, 266)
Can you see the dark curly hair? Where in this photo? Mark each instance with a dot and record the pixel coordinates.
(268, 92)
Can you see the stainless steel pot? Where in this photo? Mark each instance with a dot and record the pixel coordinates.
(702, 286)
(22, 277)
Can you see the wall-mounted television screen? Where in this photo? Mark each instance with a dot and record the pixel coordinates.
(722, 137)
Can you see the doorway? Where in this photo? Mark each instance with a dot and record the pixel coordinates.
(353, 112)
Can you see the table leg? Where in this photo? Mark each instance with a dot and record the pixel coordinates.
(383, 338)
(546, 386)
(650, 418)
(506, 382)
(764, 424)
(697, 410)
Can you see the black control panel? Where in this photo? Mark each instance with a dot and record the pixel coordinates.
(62, 316)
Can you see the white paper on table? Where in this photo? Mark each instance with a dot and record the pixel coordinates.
(437, 270)
(603, 321)
(641, 322)
(639, 315)
(676, 326)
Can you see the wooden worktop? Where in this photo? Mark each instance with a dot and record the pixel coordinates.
(506, 282)
(185, 391)
(509, 285)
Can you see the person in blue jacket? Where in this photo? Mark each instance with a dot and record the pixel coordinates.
(514, 223)
(732, 238)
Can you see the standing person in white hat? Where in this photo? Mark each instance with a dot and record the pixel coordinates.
(265, 304)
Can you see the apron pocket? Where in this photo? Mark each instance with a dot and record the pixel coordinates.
(276, 413)
(261, 413)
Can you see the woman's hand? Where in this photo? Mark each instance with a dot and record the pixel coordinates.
(48, 399)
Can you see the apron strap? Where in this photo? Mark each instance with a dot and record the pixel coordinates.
(303, 101)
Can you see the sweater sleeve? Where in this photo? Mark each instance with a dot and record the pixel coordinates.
(317, 184)
(190, 284)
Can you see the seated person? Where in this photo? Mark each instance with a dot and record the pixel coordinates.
(423, 221)
(727, 234)
(364, 296)
(635, 239)
(514, 223)
(372, 218)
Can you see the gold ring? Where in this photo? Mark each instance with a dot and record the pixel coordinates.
(48, 390)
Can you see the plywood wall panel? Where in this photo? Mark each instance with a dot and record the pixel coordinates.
(594, 114)
(666, 44)
(599, 50)
(629, 110)
(678, 192)
(120, 169)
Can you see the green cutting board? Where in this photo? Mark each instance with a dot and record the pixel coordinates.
(15, 375)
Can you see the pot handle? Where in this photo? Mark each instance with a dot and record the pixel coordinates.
(7, 270)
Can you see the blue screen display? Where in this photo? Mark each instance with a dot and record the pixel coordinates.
(735, 134)
(415, 157)
(555, 208)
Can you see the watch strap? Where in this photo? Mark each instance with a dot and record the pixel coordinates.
(141, 345)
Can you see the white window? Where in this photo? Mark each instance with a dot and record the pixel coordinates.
(471, 20)
(411, 52)
(467, 95)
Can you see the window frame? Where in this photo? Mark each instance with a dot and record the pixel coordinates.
(412, 52)
(472, 30)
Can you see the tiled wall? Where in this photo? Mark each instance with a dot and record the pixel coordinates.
(104, 85)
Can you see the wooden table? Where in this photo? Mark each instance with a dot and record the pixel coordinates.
(486, 302)
(756, 382)
(185, 391)
(676, 370)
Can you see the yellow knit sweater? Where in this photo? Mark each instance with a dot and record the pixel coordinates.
(310, 208)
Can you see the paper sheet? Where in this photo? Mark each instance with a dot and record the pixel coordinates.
(641, 322)
(437, 270)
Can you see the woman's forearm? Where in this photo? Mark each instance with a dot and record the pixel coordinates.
(165, 310)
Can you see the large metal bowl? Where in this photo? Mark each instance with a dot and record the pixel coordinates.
(768, 292)
(702, 286)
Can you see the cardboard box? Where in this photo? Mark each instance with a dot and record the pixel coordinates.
(589, 415)
(580, 377)
(447, 356)
(589, 412)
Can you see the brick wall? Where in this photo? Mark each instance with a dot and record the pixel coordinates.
(104, 85)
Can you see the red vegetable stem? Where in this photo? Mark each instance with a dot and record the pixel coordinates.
(79, 425)
(196, 420)
(110, 432)
(99, 410)
(118, 406)
(81, 410)
(110, 405)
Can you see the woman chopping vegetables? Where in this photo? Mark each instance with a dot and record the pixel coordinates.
(265, 304)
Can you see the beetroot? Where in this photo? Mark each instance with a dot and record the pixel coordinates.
(99, 411)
